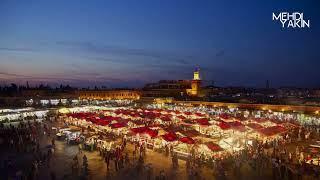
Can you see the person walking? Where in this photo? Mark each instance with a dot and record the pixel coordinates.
(107, 159)
(53, 142)
(162, 175)
(85, 161)
(127, 160)
(80, 148)
(116, 164)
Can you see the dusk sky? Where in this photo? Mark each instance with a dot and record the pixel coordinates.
(129, 43)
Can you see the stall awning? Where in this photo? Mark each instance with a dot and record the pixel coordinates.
(165, 118)
(118, 125)
(187, 140)
(254, 126)
(203, 121)
(170, 137)
(152, 133)
(145, 130)
(181, 117)
(272, 130)
(103, 122)
(139, 130)
(200, 114)
(224, 116)
(236, 125)
(213, 146)
(224, 125)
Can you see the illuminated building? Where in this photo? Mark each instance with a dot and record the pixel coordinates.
(195, 84)
(166, 88)
(175, 88)
(108, 94)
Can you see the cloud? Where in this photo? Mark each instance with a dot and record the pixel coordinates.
(150, 55)
(72, 76)
(12, 74)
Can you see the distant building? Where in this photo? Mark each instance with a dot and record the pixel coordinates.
(315, 93)
(175, 88)
(195, 84)
(109, 94)
(293, 92)
(178, 88)
(168, 84)
(166, 88)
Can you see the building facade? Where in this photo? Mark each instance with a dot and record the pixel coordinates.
(109, 94)
(166, 88)
(195, 84)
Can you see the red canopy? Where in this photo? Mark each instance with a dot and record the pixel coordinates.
(145, 130)
(125, 121)
(213, 146)
(237, 125)
(187, 113)
(135, 115)
(200, 114)
(203, 121)
(165, 118)
(181, 117)
(224, 126)
(106, 118)
(139, 130)
(81, 115)
(170, 137)
(187, 140)
(254, 126)
(224, 116)
(272, 130)
(152, 133)
(118, 111)
(151, 115)
(118, 125)
(104, 123)
(138, 122)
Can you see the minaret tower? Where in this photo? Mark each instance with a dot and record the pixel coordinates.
(196, 82)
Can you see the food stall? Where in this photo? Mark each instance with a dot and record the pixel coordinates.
(183, 149)
(209, 149)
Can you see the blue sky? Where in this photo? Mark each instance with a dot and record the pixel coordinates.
(128, 43)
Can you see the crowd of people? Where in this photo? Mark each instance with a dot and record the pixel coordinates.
(24, 139)
(261, 156)
(275, 155)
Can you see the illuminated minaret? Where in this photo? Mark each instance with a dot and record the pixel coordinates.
(196, 74)
(196, 83)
